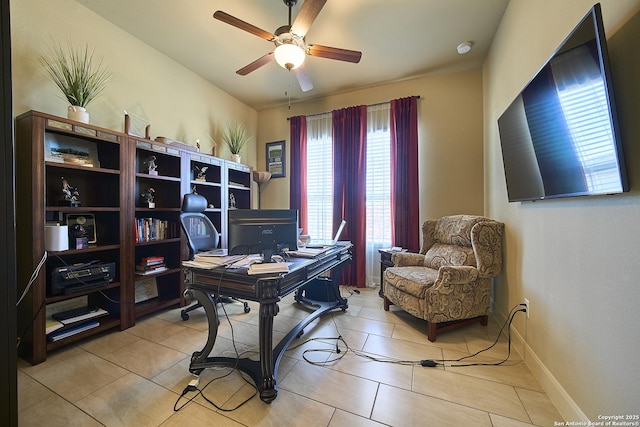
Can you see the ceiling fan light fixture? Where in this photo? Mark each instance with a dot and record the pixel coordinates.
(289, 56)
(464, 47)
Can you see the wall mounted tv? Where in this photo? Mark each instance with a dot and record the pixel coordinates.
(560, 136)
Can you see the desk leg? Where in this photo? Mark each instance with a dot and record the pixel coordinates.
(268, 310)
(209, 304)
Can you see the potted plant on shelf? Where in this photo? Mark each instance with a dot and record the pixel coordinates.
(235, 136)
(77, 76)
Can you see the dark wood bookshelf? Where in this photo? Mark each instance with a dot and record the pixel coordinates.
(111, 192)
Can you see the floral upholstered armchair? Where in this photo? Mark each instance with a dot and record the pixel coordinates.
(448, 283)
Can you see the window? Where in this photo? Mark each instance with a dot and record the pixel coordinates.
(378, 183)
(319, 176)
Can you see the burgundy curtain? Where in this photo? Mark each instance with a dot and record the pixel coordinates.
(298, 162)
(349, 189)
(405, 208)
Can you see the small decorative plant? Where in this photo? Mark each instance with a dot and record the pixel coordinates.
(75, 73)
(235, 136)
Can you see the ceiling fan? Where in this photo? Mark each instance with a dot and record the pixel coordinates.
(291, 47)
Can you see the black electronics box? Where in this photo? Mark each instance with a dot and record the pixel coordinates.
(320, 289)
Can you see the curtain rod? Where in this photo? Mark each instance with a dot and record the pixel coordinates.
(370, 105)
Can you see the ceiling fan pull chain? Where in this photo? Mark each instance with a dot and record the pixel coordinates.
(288, 91)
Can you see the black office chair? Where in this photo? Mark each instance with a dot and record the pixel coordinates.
(201, 236)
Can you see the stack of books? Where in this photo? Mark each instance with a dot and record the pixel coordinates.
(68, 323)
(151, 265)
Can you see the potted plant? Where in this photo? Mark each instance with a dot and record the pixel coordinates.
(77, 76)
(235, 136)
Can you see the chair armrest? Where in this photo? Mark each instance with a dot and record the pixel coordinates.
(455, 275)
(404, 259)
(458, 293)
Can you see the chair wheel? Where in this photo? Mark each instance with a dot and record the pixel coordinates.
(246, 308)
(184, 315)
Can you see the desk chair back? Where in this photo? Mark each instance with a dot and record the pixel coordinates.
(201, 233)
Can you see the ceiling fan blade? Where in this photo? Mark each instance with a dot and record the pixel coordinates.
(303, 78)
(245, 26)
(264, 60)
(308, 13)
(334, 53)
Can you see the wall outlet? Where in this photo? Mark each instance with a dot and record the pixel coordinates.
(526, 303)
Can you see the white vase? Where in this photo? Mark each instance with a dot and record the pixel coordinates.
(235, 158)
(79, 114)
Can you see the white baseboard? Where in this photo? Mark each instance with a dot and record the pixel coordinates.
(563, 402)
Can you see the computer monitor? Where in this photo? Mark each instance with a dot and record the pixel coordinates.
(262, 231)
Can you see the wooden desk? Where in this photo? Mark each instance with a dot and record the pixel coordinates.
(207, 285)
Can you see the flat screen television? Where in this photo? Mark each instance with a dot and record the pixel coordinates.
(262, 231)
(560, 136)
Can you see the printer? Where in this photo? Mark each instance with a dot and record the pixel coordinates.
(79, 277)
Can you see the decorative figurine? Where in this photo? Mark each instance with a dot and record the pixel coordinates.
(193, 189)
(151, 165)
(202, 173)
(70, 194)
(232, 201)
(148, 197)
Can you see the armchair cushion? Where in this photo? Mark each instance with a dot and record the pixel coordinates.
(442, 254)
(413, 280)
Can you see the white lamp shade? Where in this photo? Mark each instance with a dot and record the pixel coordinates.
(289, 56)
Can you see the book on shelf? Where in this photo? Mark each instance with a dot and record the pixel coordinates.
(150, 229)
(77, 315)
(52, 325)
(150, 267)
(152, 271)
(152, 260)
(72, 330)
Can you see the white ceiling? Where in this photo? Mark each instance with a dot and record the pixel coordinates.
(399, 39)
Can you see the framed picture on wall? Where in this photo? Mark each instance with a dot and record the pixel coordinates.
(276, 159)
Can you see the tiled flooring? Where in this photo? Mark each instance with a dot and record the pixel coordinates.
(135, 377)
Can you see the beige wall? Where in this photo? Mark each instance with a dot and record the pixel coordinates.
(576, 260)
(179, 104)
(450, 139)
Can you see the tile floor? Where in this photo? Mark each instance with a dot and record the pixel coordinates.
(135, 377)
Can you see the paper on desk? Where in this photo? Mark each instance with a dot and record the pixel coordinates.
(214, 252)
(247, 261)
(269, 267)
(308, 252)
(209, 262)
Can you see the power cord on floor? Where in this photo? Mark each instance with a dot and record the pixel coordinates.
(425, 363)
(512, 313)
(193, 384)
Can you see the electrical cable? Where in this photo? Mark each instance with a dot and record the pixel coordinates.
(193, 385)
(424, 363)
(35, 273)
(510, 317)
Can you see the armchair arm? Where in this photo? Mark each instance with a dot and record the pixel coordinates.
(455, 275)
(458, 293)
(404, 259)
